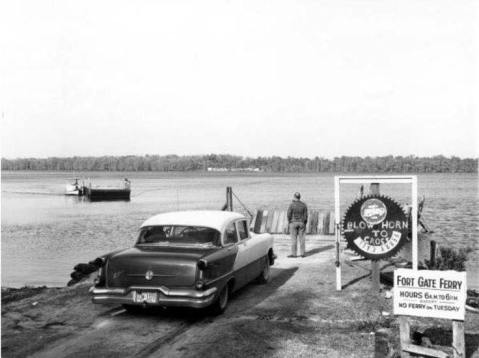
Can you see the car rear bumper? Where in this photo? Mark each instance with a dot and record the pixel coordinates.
(166, 296)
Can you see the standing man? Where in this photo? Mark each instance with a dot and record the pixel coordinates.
(297, 219)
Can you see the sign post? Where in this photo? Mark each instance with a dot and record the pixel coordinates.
(373, 214)
(375, 270)
(338, 233)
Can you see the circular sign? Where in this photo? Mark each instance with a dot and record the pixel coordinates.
(375, 227)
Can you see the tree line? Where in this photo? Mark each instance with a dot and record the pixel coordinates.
(157, 163)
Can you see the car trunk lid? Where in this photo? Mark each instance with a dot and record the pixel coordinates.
(154, 266)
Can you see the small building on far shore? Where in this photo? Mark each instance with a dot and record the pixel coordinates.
(210, 169)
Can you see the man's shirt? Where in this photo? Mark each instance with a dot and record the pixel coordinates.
(298, 211)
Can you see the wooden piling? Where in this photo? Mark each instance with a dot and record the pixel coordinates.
(314, 222)
(331, 223)
(253, 220)
(258, 221)
(229, 198)
(320, 223)
(264, 220)
(285, 224)
(269, 222)
(281, 219)
(308, 226)
(274, 222)
(325, 230)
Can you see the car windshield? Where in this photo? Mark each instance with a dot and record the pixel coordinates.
(178, 236)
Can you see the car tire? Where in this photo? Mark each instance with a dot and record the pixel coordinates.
(219, 306)
(271, 258)
(265, 274)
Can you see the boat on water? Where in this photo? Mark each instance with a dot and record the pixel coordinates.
(74, 188)
(100, 193)
(96, 193)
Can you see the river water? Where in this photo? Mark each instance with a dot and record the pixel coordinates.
(44, 233)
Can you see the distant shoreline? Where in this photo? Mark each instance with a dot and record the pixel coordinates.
(199, 173)
(231, 163)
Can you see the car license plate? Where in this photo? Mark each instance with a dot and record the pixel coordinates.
(147, 297)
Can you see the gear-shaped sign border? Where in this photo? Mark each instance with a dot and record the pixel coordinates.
(380, 240)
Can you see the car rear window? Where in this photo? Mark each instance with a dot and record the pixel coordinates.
(178, 235)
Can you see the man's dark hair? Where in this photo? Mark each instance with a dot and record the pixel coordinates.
(297, 195)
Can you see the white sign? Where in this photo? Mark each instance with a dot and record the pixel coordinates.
(439, 294)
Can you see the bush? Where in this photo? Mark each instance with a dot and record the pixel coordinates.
(450, 259)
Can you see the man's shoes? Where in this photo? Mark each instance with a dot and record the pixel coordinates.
(292, 256)
(302, 256)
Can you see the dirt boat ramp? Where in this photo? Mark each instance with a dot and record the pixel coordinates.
(299, 313)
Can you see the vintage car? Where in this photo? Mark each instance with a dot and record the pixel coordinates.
(189, 258)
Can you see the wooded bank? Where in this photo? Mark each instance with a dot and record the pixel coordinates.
(157, 163)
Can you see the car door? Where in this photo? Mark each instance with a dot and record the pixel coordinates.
(245, 265)
(222, 261)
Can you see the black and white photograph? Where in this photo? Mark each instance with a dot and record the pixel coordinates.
(225, 178)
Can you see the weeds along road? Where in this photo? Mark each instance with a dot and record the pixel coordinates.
(297, 313)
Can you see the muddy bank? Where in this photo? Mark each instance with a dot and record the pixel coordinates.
(14, 294)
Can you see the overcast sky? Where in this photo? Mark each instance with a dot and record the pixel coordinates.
(279, 77)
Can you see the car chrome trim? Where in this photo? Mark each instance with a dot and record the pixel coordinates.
(187, 293)
(166, 297)
(162, 301)
(216, 279)
(111, 291)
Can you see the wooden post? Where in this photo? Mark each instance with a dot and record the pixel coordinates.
(458, 341)
(404, 335)
(432, 254)
(229, 198)
(374, 189)
(375, 274)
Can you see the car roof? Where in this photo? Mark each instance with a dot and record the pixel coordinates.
(214, 219)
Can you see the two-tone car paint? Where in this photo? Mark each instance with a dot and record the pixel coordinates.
(187, 276)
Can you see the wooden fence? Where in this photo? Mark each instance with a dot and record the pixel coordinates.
(276, 222)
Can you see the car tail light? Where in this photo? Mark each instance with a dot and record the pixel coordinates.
(202, 265)
(100, 278)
